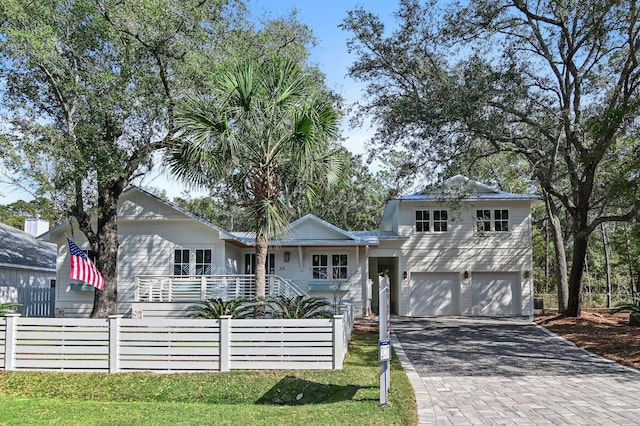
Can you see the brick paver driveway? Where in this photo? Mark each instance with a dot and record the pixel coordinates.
(511, 372)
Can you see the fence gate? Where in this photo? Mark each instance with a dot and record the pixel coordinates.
(37, 302)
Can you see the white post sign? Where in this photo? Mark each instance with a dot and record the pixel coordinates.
(384, 343)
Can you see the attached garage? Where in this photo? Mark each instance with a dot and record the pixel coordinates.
(435, 294)
(495, 294)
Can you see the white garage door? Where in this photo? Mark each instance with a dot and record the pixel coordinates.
(435, 294)
(495, 294)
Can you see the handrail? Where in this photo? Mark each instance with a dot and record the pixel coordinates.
(192, 288)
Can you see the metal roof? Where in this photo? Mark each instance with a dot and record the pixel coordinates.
(462, 188)
(21, 250)
(351, 238)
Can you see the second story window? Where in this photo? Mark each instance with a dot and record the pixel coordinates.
(431, 220)
(440, 221)
(496, 220)
(422, 220)
(501, 220)
(483, 220)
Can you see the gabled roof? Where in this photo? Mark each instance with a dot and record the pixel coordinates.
(310, 230)
(463, 188)
(223, 234)
(20, 250)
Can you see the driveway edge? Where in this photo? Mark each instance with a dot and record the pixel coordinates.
(426, 416)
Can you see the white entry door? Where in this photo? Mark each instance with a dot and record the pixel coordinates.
(435, 293)
(496, 294)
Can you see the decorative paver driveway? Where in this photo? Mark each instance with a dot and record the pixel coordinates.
(510, 372)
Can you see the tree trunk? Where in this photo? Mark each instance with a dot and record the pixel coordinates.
(105, 302)
(262, 246)
(580, 245)
(560, 254)
(607, 263)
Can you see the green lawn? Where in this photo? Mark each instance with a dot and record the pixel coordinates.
(290, 397)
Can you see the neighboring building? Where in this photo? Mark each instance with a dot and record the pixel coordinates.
(463, 249)
(27, 271)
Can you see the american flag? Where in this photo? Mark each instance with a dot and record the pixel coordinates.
(82, 269)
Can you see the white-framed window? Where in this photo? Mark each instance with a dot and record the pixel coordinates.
(329, 267)
(496, 220)
(181, 261)
(440, 218)
(192, 261)
(339, 266)
(501, 220)
(431, 220)
(423, 219)
(483, 220)
(319, 266)
(203, 262)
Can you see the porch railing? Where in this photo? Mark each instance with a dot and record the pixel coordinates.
(180, 288)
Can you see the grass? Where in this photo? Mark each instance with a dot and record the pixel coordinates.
(349, 396)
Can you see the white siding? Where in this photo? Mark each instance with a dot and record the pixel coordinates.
(461, 249)
(149, 232)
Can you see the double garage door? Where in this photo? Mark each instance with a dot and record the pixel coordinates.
(485, 294)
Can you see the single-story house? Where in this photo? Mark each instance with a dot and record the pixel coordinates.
(462, 248)
(27, 271)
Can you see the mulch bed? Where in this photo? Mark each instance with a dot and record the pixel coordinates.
(601, 332)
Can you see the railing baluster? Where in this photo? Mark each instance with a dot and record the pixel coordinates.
(163, 288)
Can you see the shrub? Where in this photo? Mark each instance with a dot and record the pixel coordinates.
(300, 307)
(8, 308)
(215, 308)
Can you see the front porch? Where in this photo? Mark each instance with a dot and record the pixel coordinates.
(194, 288)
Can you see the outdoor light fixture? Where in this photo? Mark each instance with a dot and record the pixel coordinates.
(287, 256)
(466, 275)
(526, 275)
(405, 275)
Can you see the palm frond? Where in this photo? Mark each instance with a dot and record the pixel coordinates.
(215, 308)
(299, 307)
(8, 308)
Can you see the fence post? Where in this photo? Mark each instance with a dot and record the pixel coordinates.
(10, 339)
(225, 342)
(114, 343)
(338, 342)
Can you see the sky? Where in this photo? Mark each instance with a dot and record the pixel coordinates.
(330, 55)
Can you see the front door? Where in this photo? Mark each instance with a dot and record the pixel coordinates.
(250, 264)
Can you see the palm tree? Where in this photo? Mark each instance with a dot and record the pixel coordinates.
(264, 130)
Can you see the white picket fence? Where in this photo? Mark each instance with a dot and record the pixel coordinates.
(171, 345)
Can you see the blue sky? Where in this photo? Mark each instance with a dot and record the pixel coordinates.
(330, 55)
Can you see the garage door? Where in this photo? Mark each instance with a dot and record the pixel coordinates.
(495, 294)
(435, 294)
